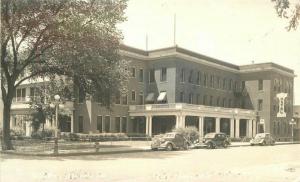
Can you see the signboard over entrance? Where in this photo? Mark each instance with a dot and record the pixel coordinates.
(281, 97)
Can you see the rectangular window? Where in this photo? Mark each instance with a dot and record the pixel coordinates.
(133, 97)
(141, 98)
(21, 94)
(260, 84)
(230, 103)
(163, 76)
(141, 75)
(204, 100)
(99, 123)
(230, 84)
(260, 105)
(224, 102)
(80, 124)
(205, 80)
(191, 76)
(191, 98)
(218, 83)
(218, 101)
(224, 84)
(81, 95)
(182, 75)
(124, 124)
(107, 124)
(181, 97)
(117, 98)
(133, 72)
(199, 78)
(117, 124)
(124, 99)
(212, 81)
(151, 76)
(243, 85)
(198, 98)
(211, 100)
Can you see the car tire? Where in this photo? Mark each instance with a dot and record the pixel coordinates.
(263, 143)
(169, 147)
(225, 144)
(210, 146)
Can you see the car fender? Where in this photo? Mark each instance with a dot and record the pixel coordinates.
(169, 142)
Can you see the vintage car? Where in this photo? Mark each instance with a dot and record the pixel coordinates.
(214, 140)
(262, 139)
(169, 141)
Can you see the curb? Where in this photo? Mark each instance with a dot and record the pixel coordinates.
(75, 153)
(107, 152)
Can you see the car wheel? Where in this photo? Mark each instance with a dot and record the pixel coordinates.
(210, 146)
(169, 147)
(225, 144)
(263, 143)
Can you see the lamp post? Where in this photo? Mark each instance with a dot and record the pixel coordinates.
(292, 123)
(56, 104)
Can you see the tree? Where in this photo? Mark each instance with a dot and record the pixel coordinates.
(284, 10)
(76, 39)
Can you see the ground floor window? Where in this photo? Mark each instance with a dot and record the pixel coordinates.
(99, 123)
(124, 124)
(107, 124)
(117, 124)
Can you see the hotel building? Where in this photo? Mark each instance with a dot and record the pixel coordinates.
(173, 87)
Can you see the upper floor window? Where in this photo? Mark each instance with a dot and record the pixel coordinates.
(212, 81)
(224, 84)
(218, 101)
(181, 97)
(141, 75)
(260, 105)
(141, 98)
(204, 100)
(260, 84)
(191, 98)
(191, 76)
(182, 75)
(133, 96)
(243, 85)
(132, 72)
(230, 84)
(198, 78)
(198, 98)
(218, 82)
(124, 99)
(21, 94)
(163, 75)
(117, 98)
(151, 76)
(211, 101)
(205, 79)
(224, 102)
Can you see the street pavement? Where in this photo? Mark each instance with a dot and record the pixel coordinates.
(278, 163)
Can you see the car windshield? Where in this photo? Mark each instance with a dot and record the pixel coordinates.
(210, 135)
(169, 135)
(261, 135)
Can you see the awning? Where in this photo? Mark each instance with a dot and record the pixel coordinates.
(162, 96)
(150, 97)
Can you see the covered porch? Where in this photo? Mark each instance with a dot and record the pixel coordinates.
(161, 118)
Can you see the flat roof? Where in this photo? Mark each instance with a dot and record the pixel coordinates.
(177, 49)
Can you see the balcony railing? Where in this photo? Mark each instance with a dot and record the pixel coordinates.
(190, 107)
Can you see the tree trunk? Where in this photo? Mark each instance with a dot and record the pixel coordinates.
(6, 142)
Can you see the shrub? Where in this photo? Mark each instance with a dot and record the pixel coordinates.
(47, 133)
(191, 133)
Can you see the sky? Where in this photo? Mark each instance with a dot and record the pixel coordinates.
(235, 31)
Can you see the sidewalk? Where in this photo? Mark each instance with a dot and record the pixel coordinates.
(116, 147)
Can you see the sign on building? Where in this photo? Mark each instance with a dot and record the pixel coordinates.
(281, 113)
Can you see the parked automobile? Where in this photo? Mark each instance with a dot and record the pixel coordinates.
(262, 139)
(214, 140)
(169, 141)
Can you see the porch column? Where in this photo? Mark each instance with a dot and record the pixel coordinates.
(147, 125)
(150, 126)
(237, 127)
(177, 121)
(254, 127)
(72, 123)
(232, 127)
(217, 125)
(183, 121)
(250, 128)
(201, 126)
